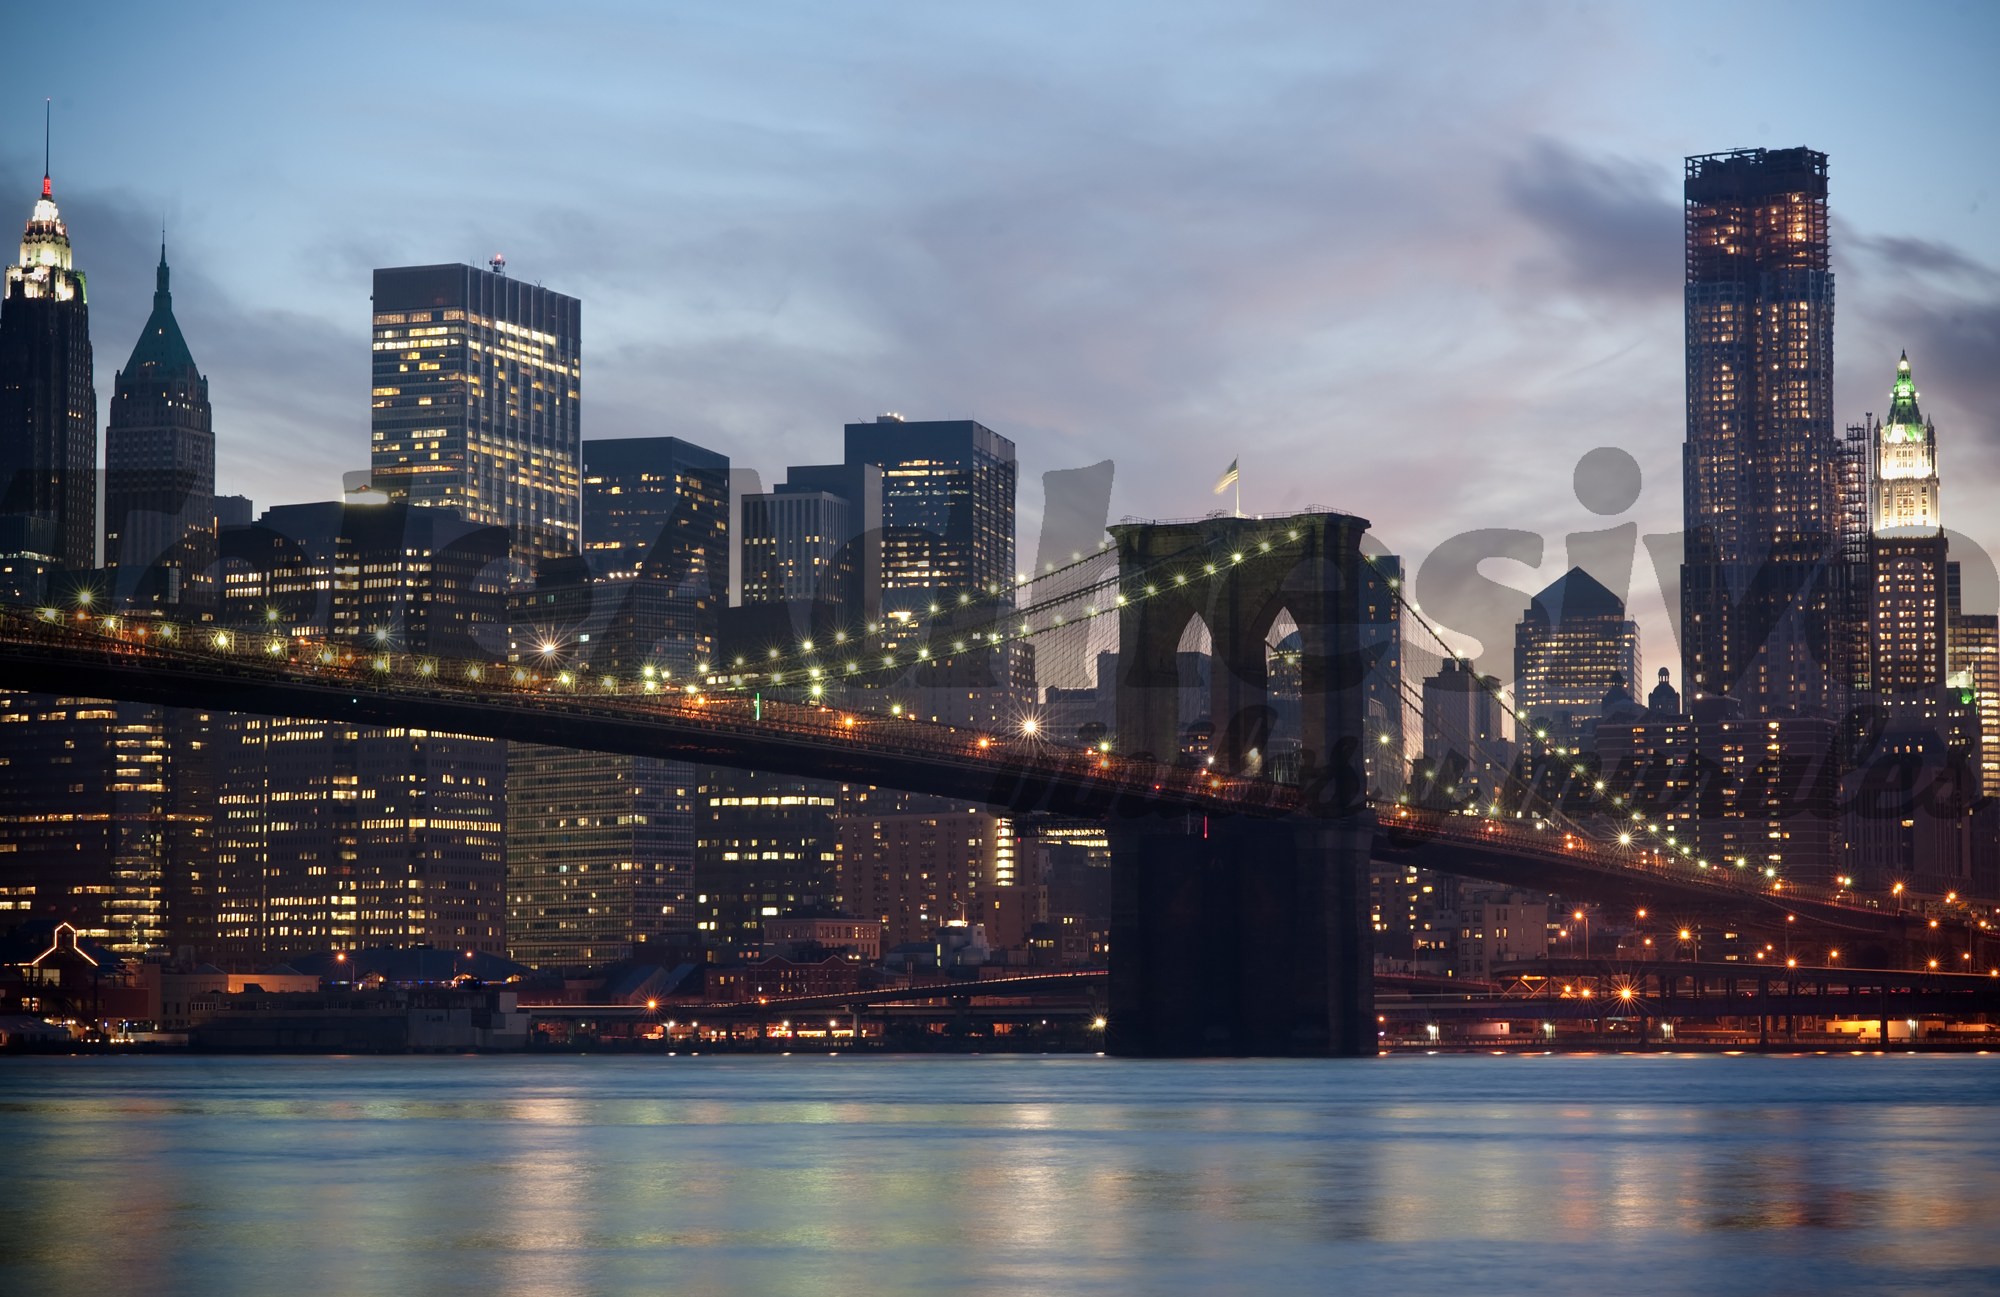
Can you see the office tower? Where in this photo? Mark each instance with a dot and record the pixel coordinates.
(917, 871)
(1465, 751)
(659, 505)
(1760, 465)
(104, 817)
(233, 511)
(601, 847)
(48, 403)
(816, 539)
(159, 478)
(1974, 659)
(477, 381)
(416, 580)
(1908, 609)
(333, 836)
(1749, 794)
(1386, 763)
(1570, 648)
(948, 490)
(764, 847)
(947, 509)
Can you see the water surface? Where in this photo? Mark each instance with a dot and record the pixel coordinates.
(1019, 1175)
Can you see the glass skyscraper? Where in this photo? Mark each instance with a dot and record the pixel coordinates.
(477, 383)
(1761, 468)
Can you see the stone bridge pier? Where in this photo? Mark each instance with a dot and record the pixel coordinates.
(1244, 935)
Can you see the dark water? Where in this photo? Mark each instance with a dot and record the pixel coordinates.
(1468, 1175)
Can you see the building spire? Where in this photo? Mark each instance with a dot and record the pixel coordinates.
(161, 297)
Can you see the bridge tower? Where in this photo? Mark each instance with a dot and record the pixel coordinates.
(1244, 935)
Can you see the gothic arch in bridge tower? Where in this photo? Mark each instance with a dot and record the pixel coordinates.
(1304, 568)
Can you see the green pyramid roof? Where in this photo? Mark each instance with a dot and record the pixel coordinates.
(1903, 398)
(161, 348)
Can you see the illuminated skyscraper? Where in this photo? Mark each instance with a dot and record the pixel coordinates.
(48, 403)
(1908, 611)
(1761, 468)
(947, 509)
(817, 539)
(159, 481)
(332, 836)
(477, 391)
(1573, 644)
(601, 846)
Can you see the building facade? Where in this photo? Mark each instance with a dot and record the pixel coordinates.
(1761, 468)
(1573, 645)
(48, 400)
(477, 402)
(159, 471)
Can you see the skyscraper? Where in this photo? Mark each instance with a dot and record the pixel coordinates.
(1571, 646)
(333, 836)
(817, 538)
(48, 403)
(600, 846)
(477, 391)
(1760, 465)
(1908, 608)
(159, 458)
(659, 505)
(947, 510)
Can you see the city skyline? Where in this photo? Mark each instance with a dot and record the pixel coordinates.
(1282, 302)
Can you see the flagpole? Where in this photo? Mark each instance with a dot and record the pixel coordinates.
(1238, 484)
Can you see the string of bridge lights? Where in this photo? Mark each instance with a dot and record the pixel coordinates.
(659, 680)
(1634, 830)
(809, 659)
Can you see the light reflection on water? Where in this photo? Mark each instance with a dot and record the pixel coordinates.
(989, 1175)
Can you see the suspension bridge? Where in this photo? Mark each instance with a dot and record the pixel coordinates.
(1255, 850)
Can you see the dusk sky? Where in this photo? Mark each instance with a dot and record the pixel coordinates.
(1412, 263)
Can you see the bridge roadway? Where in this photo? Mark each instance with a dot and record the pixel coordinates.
(136, 660)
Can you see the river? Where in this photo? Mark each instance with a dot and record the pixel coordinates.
(1466, 1174)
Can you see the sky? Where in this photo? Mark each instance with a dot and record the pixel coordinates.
(1410, 261)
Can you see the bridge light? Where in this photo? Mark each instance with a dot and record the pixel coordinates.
(608, 682)
(847, 722)
(888, 659)
(852, 667)
(923, 654)
(49, 614)
(1152, 589)
(1237, 557)
(647, 671)
(473, 672)
(1264, 545)
(1097, 1024)
(1031, 727)
(934, 607)
(566, 678)
(221, 640)
(774, 653)
(805, 646)
(896, 709)
(1624, 839)
(85, 597)
(1121, 601)
(818, 690)
(1180, 578)
(1208, 568)
(1625, 993)
(985, 742)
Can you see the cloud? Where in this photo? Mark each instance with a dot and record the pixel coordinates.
(1615, 230)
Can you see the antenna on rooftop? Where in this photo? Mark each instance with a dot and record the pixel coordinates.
(499, 263)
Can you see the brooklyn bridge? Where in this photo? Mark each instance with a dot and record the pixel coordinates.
(1264, 869)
